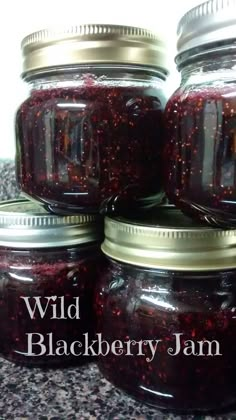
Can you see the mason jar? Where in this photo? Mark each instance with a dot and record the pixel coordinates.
(48, 270)
(200, 142)
(90, 134)
(166, 312)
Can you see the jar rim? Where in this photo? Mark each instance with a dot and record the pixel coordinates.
(205, 52)
(174, 243)
(133, 71)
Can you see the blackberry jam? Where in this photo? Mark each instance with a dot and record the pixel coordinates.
(201, 118)
(166, 306)
(48, 269)
(90, 136)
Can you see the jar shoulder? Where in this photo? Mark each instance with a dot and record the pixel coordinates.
(175, 291)
(192, 92)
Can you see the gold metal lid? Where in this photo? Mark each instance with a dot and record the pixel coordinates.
(92, 44)
(172, 243)
(27, 224)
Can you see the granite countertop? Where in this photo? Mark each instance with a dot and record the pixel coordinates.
(73, 393)
(68, 394)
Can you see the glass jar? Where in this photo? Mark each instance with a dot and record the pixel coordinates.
(166, 309)
(90, 136)
(48, 270)
(200, 152)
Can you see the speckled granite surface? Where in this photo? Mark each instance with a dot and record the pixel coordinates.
(74, 393)
(8, 188)
(68, 394)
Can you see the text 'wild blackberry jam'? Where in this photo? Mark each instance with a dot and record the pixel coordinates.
(49, 266)
(90, 135)
(200, 141)
(167, 307)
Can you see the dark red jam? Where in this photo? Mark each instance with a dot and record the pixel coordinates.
(200, 153)
(91, 147)
(46, 299)
(189, 313)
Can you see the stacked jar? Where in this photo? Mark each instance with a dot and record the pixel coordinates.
(166, 306)
(90, 136)
(48, 270)
(201, 117)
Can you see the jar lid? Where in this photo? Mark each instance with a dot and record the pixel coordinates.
(210, 22)
(169, 241)
(27, 224)
(92, 44)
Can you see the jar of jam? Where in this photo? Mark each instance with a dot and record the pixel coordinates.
(90, 135)
(200, 152)
(48, 270)
(166, 310)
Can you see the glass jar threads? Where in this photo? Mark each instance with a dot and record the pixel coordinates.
(166, 307)
(48, 270)
(201, 116)
(90, 136)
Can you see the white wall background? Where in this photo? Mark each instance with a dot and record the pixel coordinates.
(21, 17)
